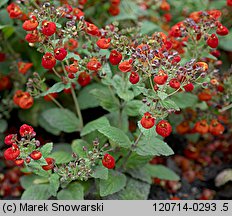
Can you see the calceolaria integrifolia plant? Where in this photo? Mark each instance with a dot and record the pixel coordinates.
(141, 82)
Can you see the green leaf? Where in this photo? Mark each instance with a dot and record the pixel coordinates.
(149, 27)
(132, 108)
(225, 41)
(77, 147)
(134, 190)
(74, 191)
(72, 55)
(95, 125)
(61, 157)
(137, 161)
(116, 135)
(152, 146)
(32, 115)
(100, 172)
(86, 99)
(49, 128)
(162, 95)
(184, 99)
(141, 173)
(36, 167)
(27, 181)
(5, 18)
(95, 135)
(116, 181)
(169, 104)
(36, 192)
(106, 74)
(162, 172)
(58, 87)
(3, 125)
(46, 149)
(54, 184)
(107, 100)
(123, 92)
(122, 123)
(62, 119)
(7, 30)
(3, 2)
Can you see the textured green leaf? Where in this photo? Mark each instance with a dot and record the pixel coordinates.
(7, 30)
(36, 167)
(86, 99)
(162, 172)
(121, 122)
(225, 41)
(27, 181)
(74, 191)
(132, 108)
(72, 55)
(3, 2)
(95, 125)
(137, 161)
(100, 172)
(152, 146)
(184, 99)
(116, 135)
(61, 157)
(162, 95)
(149, 27)
(54, 184)
(140, 173)
(32, 115)
(62, 119)
(56, 88)
(116, 181)
(123, 92)
(134, 190)
(3, 125)
(107, 100)
(106, 74)
(96, 135)
(36, 192)
(46, 149)
(49, 128)
(77, 147)
(169, 104)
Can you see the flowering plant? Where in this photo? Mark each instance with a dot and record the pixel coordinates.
(147, 83)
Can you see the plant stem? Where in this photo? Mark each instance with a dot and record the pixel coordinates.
(151, 83)
(77, 107)
(35, 4)
(54, 70)
(225, 108)
(134, 145)
(78, 110)
(173, 92)
(56, 102)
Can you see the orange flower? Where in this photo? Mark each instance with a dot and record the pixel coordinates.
(183, 127)
(23, 67)
(23, 99)
(201, 127)
(216, 128)
(26, 101)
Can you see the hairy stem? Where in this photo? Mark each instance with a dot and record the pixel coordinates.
(78, 110)
(56, 102)
(55, 72)
(134, 145)
(225, 108)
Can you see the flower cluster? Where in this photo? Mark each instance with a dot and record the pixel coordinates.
(82, 167)
(25, 149)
